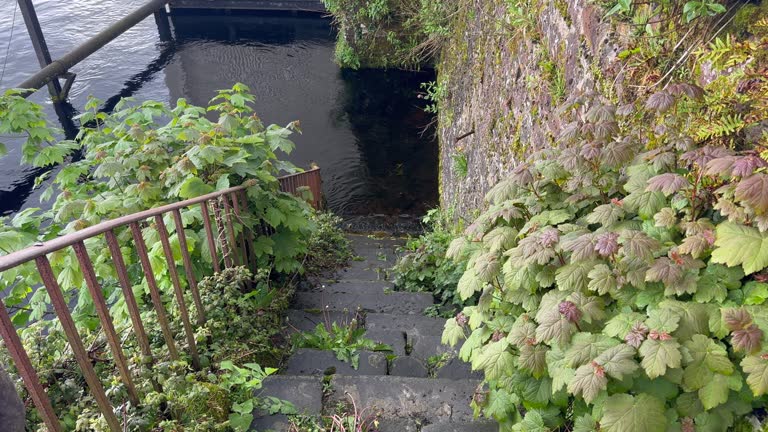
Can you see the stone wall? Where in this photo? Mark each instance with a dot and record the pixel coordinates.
(503, 81)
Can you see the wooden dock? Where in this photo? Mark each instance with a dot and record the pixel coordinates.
(254, 5)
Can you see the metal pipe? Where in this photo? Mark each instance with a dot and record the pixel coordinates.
(62, 65)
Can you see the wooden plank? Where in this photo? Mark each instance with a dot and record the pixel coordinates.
(241, 237)
(154, 292)
(189, 332)
(102, 310)
(27, 372)
(65, 318)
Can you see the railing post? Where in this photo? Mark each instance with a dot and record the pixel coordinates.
(191, 281)
(188, 330)
(65, 318)
(102, 310)
(249, 233)
(237, 257)
(209, 235)
(154, 292)
(225, 249)
(27, 372)
(130, 301)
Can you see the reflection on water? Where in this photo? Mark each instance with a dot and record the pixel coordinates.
(363, 128)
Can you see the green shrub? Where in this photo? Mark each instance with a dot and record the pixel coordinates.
(424, 267)
(622, 277)
(328, 248)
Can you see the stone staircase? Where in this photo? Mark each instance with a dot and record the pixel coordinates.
(420, 386)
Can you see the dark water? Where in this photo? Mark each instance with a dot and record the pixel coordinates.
(363, 128)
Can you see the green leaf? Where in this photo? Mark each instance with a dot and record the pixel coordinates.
(469, 284)
(495, 359)
(452, 333)
(621, 324)
(601, 279)
(626, 413)
(756, 368)
(716, 391)
(240, 422)
(658, 355)
(500, 404)
(574, 276)
(618, 361)
(663, 320)
(499, 239)
(533, 422)
(755, 293)
(586, 346)
(533, 359)
(646, 203)
(737, 244)
(585, 423)
(606, 214)
(589, 380)
(194, 187)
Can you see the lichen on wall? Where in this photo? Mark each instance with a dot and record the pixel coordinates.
(509, 64)
(505, 74)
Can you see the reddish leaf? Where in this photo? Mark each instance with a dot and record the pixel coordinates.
(753, 191)
(661, 101)
(748, 339)
(737, 319)
(570, 310)
(667, 183)
(607, 244)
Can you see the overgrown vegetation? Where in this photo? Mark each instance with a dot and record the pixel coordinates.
(142, 156)
(328, 249)
(346, 340)
(424, 267)
(620, 273)
(390, 33)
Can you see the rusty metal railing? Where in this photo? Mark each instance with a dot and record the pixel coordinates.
(309, 179)
(226, 205)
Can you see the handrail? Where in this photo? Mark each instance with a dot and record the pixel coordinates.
(237, 250)
(20, 257)
(16, 258)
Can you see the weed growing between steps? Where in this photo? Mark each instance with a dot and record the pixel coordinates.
(425, 268)
(346, 340)
(329, 249)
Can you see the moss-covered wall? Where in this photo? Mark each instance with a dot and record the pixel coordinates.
(504, 76)
(506, 66)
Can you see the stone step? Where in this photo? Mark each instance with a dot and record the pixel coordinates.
(307, 320)
(425, 325)
(478, 426)
(304, 392)
(367, 271)
(346, 287)
(391, 303)
(359, 241)
(433, 400)
(315, 362)
(424, 346)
